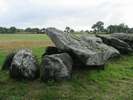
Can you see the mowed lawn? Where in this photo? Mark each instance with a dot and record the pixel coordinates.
(115, 82)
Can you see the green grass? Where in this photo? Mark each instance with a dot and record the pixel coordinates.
(115, 82)
(23, 37)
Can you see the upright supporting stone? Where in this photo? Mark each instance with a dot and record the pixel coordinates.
(56, 67)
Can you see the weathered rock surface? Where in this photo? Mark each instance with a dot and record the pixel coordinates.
(56, 67)
(24, 65)
(90, 52)
(124, 37)
(120, 45)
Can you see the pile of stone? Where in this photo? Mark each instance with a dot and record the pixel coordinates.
(70, 51)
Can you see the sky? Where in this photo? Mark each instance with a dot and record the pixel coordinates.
(77, 14)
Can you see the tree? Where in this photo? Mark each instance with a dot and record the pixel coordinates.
(98, 27)
(87, 31)
(3, 30)
(43, 30)
(123, 28)
(130, 30)
(35, 30)
(72, 31)
(111, 29)
(118, 28)
(12, 29)
(67, 29)
(28, 29)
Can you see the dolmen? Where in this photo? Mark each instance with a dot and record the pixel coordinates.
(57, 62)
(70, 51)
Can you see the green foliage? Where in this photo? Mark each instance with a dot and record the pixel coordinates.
(12, 30)
(4, 30)
(121, 28)
(8, 30)
(69, 30)
(98, 27)
(118, 28)
(33, 30)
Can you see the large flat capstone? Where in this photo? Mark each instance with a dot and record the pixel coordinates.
(91, 51)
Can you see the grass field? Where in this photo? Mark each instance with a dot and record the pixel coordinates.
(115, 82)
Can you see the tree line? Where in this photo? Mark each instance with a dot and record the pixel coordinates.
(16, 30)
(98, 27)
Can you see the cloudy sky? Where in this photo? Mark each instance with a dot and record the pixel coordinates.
(78, 14)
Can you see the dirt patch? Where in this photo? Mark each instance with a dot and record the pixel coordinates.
(13, 44)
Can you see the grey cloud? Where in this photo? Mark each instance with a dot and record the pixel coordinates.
(39, 13)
